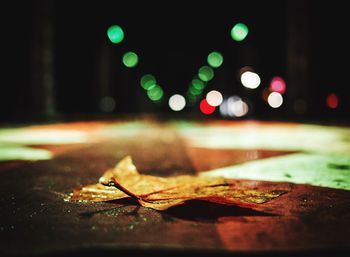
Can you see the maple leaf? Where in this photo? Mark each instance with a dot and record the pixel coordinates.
(161, 193)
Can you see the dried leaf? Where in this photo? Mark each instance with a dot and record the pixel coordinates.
(162, 193)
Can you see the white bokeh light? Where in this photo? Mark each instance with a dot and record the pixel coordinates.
(234, 106)
(239, 108)
(214, 98)
(275, 99)
(250, 79)
(177, 102)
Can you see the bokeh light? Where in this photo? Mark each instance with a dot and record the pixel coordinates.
(148, 81)
(107, 104)
(205, 73)
(214, 98)
(250, 79)
(234, 106)
(206, 108)
(177, 102)
(239, 108)
(115, 34)
(155, 93)
(278, 85)
(332, 101)
(197, 84)
(275, 100)
(130, 59)
(239, 32)
(215, 59)
(195, 91)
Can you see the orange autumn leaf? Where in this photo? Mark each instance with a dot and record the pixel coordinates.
(161, 193)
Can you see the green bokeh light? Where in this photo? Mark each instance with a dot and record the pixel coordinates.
(206, 73)
(130, 59)
(215, 59)
(155, 93)
(148, 81)
(197, 84)
(115, 34)
(239, 32)
(194, 91)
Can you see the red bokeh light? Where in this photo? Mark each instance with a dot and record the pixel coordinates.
(206, 108)
(332, 101)
(278, 85)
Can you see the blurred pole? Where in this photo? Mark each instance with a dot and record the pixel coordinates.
(43, 81)
(298, 55)
(104, 74)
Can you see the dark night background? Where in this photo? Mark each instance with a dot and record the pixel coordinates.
(58, 62)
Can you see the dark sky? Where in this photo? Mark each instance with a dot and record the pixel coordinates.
(172, 39)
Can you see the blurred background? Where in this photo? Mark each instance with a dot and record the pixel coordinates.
(268, 60)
